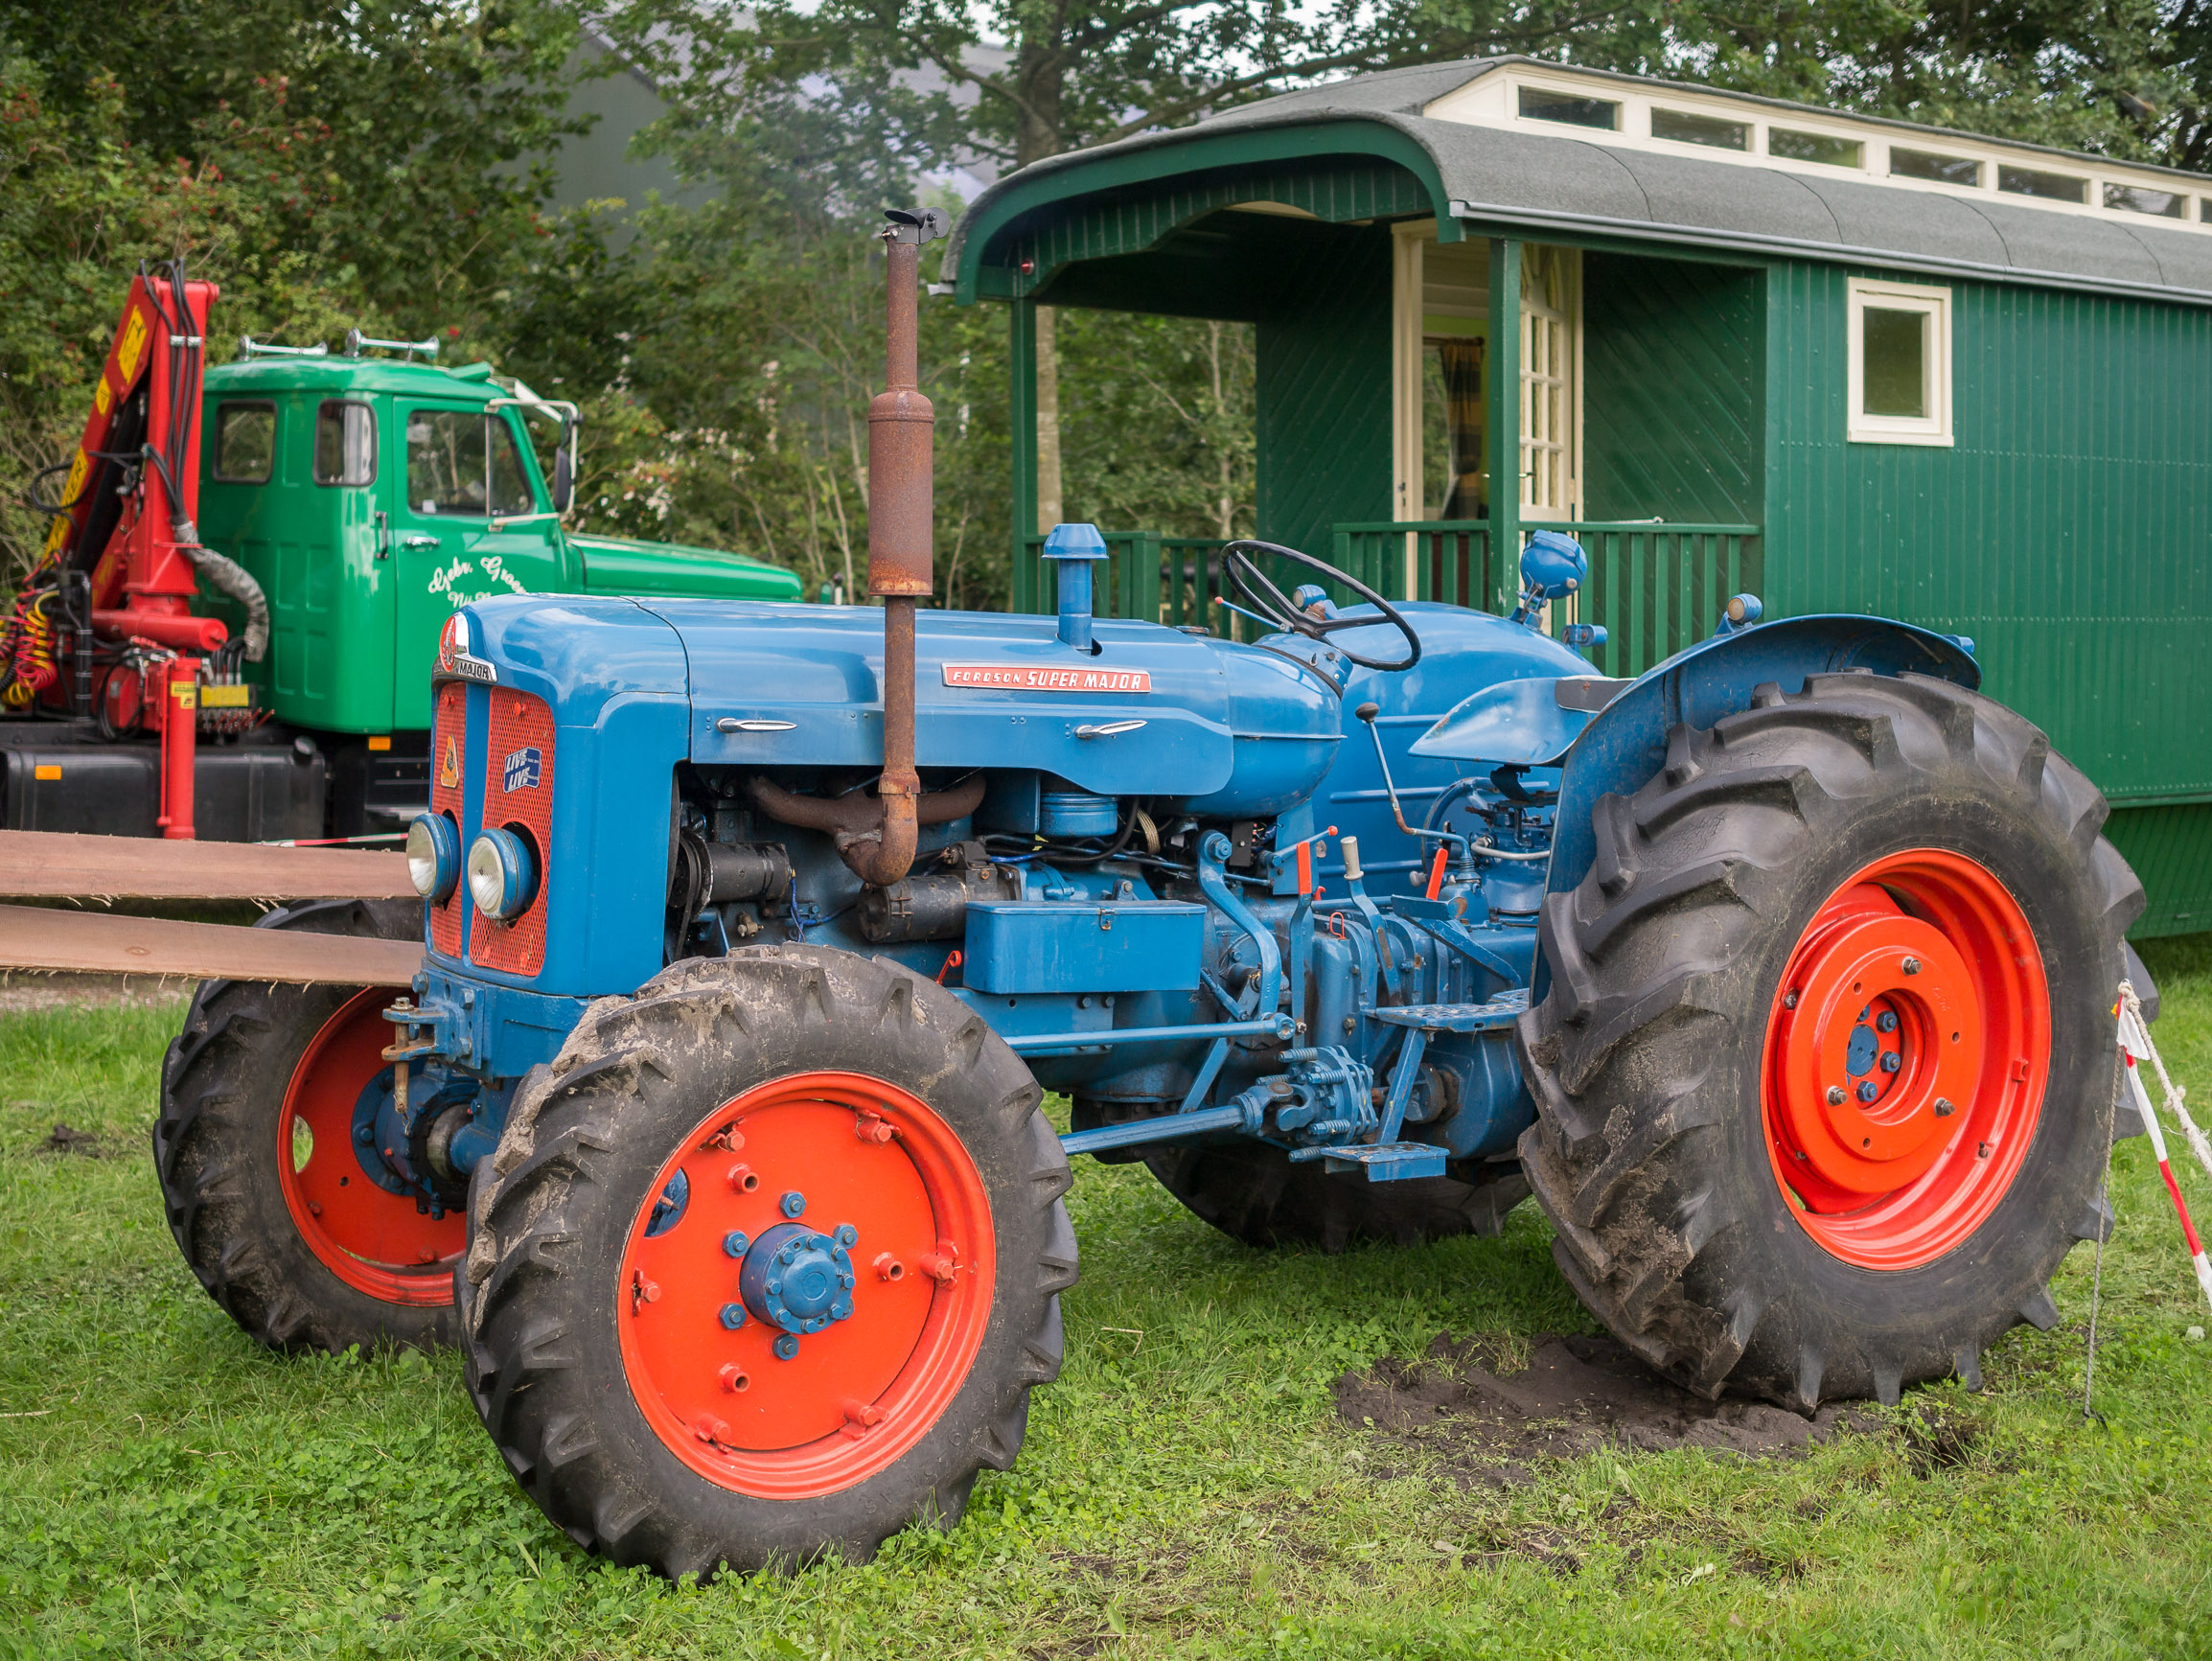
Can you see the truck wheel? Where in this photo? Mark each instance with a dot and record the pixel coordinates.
(254, 1151)
(1825, 1066)
(1251, 1192)
(766, 1264)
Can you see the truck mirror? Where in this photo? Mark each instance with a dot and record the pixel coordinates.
(564, 477)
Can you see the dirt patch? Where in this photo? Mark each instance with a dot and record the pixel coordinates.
(1937, 1442)
(66, 1139)
(1577, 1394)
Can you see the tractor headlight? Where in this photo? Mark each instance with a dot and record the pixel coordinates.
(502, 874)
(433, 856)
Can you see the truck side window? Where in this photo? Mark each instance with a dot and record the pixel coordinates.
(464, 462)
(345, 442)
(244, 443)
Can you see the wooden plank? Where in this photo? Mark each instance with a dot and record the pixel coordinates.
(35, 937)
(55, 864)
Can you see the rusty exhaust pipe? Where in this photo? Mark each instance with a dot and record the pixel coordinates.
(901, 465)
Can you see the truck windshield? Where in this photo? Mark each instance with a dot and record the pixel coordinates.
(464, 462)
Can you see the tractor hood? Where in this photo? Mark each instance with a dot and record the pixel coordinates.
(1240, 730)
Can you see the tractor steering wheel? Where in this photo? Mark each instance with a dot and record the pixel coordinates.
(1277, 608)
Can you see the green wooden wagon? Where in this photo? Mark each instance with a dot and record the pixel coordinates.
(1848, 363)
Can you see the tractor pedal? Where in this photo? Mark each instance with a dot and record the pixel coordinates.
(1389, 1162)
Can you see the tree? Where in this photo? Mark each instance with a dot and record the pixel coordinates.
(370, 164)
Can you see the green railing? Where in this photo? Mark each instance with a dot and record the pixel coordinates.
(1654, 588)
(1451, 560)
(1658, 587)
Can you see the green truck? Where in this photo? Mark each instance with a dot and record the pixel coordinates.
(369, 494)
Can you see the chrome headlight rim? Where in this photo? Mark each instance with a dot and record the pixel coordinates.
(434, 856)
(503, 872)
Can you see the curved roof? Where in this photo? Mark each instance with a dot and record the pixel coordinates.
(1556, 178)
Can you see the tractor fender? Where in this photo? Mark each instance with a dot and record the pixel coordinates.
(1624, 743)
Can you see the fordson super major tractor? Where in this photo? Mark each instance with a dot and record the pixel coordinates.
(713, 1130)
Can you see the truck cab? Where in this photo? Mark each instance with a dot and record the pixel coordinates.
(372, 497)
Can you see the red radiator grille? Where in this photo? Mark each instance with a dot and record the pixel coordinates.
(448, 768)
(518, 790)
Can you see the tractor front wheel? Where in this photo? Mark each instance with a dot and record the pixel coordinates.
(263, 1095)
(766, 1264)
(1826, 1066)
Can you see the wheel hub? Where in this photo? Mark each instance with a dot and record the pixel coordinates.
(797, 1280)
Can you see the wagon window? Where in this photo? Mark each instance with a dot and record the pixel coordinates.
(244, 443)
(1815, 147)
(2134, 199)
(1900, 380)
(1685, 126)
(2050, 187)
(1926, 164)
(1538, 104)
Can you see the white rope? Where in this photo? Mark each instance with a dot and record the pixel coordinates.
(2173, 1092)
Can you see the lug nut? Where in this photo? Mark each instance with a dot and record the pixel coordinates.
(1789, 1000)
(1943, 1108)
(743, 1179)
(1885, 1022)
(846, 1234)
(1891, 1061)
(1835, 1095)
(709, 1428)
(793, 1203)
(1911, 965)
(865, 1413)
(787, 1345)
(871, 1128)
(1867, 1091)
(733, 1316)
(736, 1243)
(888, 1267)
(733, 1378)
(939, 1265)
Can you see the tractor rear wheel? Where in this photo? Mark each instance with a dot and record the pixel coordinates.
(254, 1148)
(1252, 1192)
(766, 1263)
(1825, 1069)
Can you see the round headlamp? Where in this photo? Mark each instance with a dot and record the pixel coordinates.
(433, 856)
(502, 875)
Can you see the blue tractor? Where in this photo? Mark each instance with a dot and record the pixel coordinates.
(714, 1128)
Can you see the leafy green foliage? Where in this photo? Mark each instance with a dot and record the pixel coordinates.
(1187, 1490)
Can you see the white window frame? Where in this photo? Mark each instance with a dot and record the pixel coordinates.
(1933, 303)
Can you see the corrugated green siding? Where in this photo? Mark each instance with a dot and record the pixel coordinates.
(2170, 848)
(1323, 371)
(1673, 400)
(2066, 531)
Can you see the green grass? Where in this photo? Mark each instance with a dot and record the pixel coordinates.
(168, 1489)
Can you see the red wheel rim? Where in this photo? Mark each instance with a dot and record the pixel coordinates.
(859, 1394)
(374, 1241)
(1907, 1054)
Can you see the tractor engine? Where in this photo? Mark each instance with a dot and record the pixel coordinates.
(1201, 887)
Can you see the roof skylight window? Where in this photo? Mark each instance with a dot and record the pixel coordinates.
(1936, 169)
(1710, 130)
(1815, 147)
(2049, 187)
(1538, 104)
(2135, 199)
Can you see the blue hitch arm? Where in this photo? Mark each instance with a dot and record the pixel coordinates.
(1212, 856)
